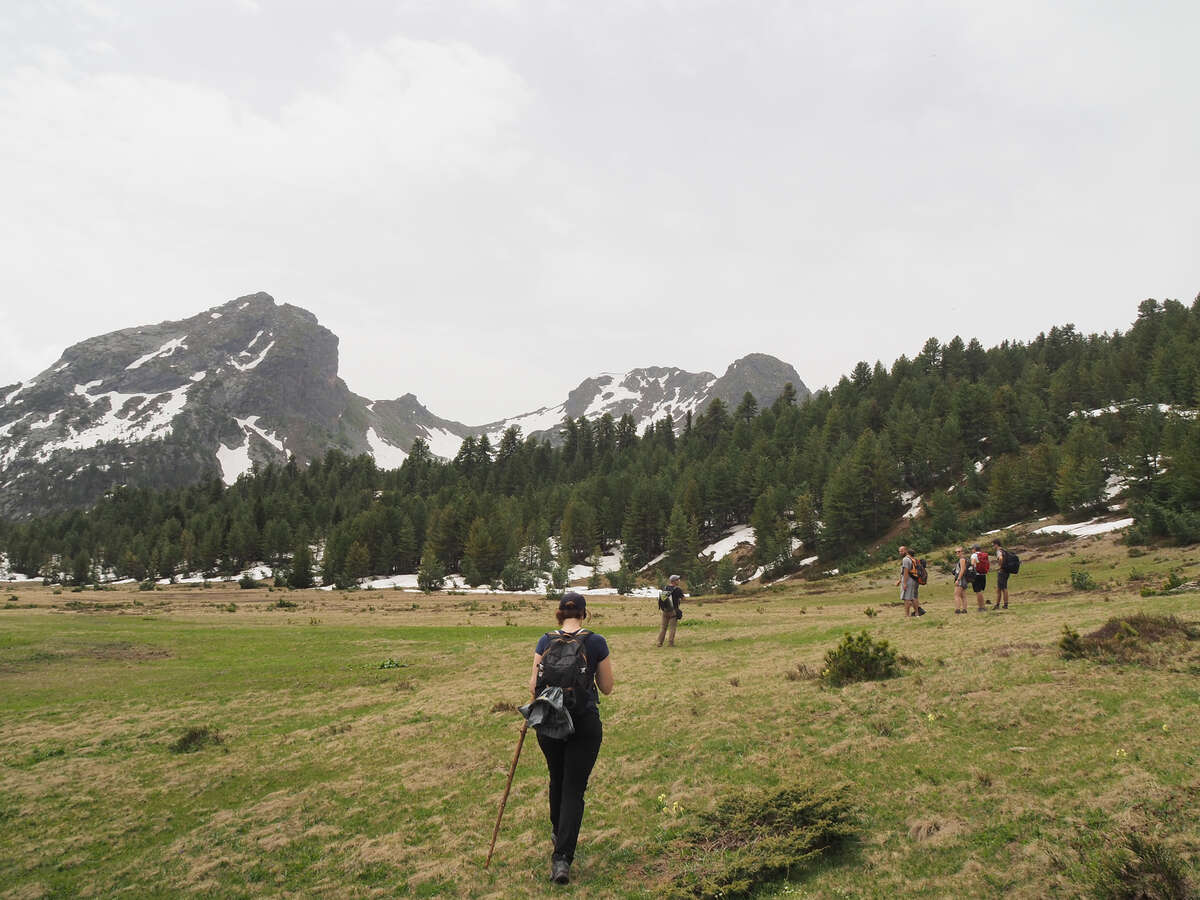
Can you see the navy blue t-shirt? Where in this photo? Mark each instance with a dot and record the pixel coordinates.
(597, 649)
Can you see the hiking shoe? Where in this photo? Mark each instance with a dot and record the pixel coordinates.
(560, 871)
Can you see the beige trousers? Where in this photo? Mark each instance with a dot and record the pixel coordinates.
(668, 623)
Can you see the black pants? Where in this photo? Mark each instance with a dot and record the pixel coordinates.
(570, 763)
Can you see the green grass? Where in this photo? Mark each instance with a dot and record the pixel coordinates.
(990, 767)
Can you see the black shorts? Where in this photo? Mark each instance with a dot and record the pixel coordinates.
(1002, 580)
(980, 583)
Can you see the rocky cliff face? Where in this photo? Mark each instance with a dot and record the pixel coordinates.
(252, 382)
(178, 402)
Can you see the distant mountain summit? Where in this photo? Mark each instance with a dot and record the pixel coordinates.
(655, 393)
(252, 382)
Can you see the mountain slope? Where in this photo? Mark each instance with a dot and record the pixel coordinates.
(654, 393)
(174, 403)
(252, 382)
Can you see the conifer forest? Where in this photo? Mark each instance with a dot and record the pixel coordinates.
(984, 436)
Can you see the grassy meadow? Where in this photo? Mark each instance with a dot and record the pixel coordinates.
(204, 741)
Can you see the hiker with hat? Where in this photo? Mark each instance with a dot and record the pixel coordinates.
(668, 602)
(570, 663)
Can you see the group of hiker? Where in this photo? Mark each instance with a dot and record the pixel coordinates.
(970, 574)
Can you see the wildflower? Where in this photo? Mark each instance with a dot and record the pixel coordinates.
(1120, 753)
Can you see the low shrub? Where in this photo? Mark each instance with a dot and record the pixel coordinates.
(284, 603)
(1082, 581)
(754, 838)
(859, 658)
(1140, 638)
(516, 577)
(247, 582)
(196, 739)
(1141, 867)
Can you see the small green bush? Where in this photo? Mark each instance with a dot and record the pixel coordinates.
(1141, 867)
(247, 582)
(1082, 581)
(284, 603)
(1070, 645)
(516, 577)
(859, 658)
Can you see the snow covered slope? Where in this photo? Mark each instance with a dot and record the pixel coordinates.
(252, 382)
(655, 393)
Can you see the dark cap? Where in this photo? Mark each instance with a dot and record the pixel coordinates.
(572, 602)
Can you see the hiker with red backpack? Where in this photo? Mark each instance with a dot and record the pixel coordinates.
(570, 664)
(980, 564)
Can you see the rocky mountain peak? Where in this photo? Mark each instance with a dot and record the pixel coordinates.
(253, 381)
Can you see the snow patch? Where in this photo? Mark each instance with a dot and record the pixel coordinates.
(165, 350)
(145, 417)
(65, 365)
(251, 424)
(914, 504)
(739, 534)
(22, 386)
(234, 461)
(254, 362)
(214, 315)
(387, 455)
(442, 443)
(1086, 529)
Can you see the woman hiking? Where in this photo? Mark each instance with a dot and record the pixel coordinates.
(570, 759)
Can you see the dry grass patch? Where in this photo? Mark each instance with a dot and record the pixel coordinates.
(1141, 638)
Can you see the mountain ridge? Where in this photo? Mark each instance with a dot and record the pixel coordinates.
(253, 381)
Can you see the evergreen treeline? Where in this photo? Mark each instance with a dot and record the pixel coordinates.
(829, 472)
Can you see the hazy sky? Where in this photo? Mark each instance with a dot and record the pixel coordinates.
(490, 201)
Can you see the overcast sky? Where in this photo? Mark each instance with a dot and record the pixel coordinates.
(490, 201)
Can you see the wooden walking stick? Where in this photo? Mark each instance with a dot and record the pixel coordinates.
(503, 800)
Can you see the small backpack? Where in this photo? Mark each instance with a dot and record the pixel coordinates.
(1012, 563)
(666, 599)
(983, 564)
(565, 665)
(919, 571)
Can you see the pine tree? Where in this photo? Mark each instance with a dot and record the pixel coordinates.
(358, 563)
(1080, 481)
(431, 575)
(301, 575)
